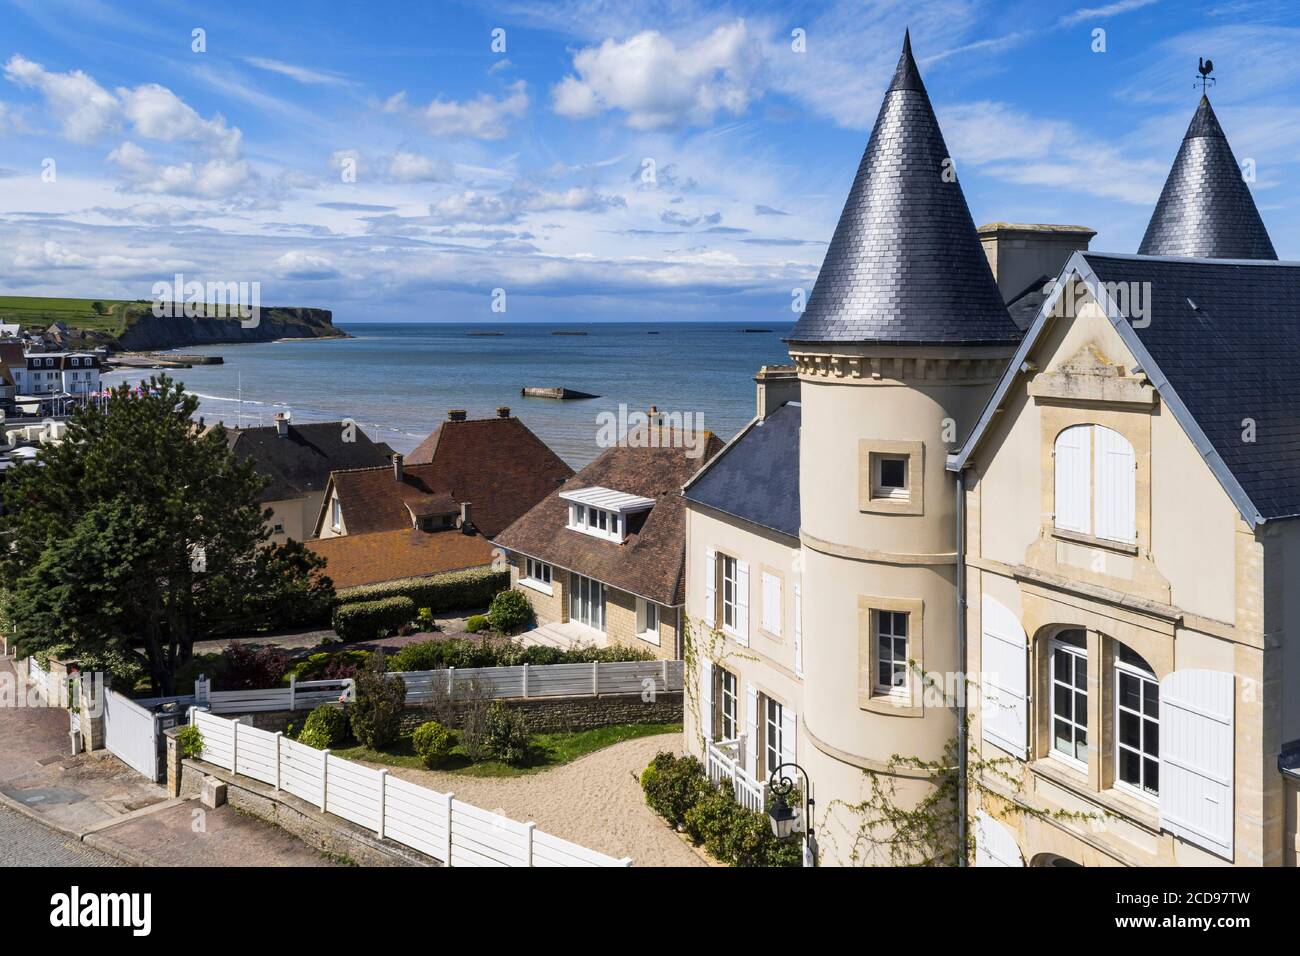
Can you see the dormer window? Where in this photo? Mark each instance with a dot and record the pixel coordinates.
(605, 513)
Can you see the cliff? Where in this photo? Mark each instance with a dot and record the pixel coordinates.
(146, 332)
(132, 326)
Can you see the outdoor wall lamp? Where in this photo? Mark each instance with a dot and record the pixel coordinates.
(783, 816)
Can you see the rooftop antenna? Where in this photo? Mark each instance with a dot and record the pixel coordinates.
(1205, 68)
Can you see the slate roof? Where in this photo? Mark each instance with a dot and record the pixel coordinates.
(300, 463)
(650, 562)
(905, 264)
(356, 559)
(1205, 209)
(756, 477)
(496, 464)
(1235, 356)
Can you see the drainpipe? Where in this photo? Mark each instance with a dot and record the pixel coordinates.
(962, 687)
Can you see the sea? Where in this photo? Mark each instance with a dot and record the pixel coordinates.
(397, 380)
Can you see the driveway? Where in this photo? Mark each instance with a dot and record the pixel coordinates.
(595, 801)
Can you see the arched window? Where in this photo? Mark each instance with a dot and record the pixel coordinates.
(1096, 483)
(1137, 724)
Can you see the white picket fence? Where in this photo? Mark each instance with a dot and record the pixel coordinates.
(299, 695)
(450, 830)
(547, 680)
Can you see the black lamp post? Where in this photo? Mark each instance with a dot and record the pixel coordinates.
(780, 813)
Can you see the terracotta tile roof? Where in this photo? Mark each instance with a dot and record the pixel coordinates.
(650, 562)
(497, 465)
(391, 555)
(300, 463)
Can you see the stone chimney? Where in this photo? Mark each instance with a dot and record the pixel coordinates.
(282, 424)
(1020, 254)
(503, 411)
(777, 384)
(456, 415)
(466, 522)
(397, 467)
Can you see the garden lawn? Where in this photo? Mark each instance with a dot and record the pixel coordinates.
(544, 751)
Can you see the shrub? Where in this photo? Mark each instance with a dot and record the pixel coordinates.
(506, 735)
(249, 668)
(672, 785)
(425, 656)
(425, 619)
(467, 652)
(368, 620)
(440, 592)
(710, 819)
(326, 726)
(328, 665)
(432, 742)
(510, 611)
(189, 740)
(476, 623)
(376, 716)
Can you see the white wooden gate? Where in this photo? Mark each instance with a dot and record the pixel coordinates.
(131, 733)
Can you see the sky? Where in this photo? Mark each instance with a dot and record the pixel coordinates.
(583, 161)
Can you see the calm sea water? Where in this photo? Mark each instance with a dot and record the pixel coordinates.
(397, 380)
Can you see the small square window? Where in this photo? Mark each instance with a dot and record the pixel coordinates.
(889, 476)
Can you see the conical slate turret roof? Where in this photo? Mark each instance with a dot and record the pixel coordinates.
(905, 264)
(1206, 210)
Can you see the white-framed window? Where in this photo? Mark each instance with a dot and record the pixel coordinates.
(730, 591)
(772, 610)
(889, 477)
(772, 748)
(595, 521)
(1096, 483)
(1137, 725)
(1069, 693)
(536, 575)
(891, 653)
(728, 705)
(647, 620)
(336, 515)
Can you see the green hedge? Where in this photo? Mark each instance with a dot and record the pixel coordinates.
(368, 620)
(441, 592)
(471, 652)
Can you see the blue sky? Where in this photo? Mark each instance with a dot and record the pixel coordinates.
(641, 160)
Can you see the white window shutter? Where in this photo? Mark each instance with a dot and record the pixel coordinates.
(742, 603)
(1196, 757)
(1116, 484)
(995, 844)
(798, 632)
(706, 699)
(788, 735)
(710, 583)
(771, 604)
(751, 729)
(1004, 679)
(1074, 479)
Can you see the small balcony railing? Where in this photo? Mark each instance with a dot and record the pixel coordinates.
(725, 761)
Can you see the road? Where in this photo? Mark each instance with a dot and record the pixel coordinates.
(25, 842)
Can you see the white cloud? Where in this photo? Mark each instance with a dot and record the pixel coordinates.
(305, 265)
(151, 213)
(405, 167)
(473, 206)
(1103, 12)
(1016, 147)
(302, 74)
(484, 117)
(215, 179)
(87, 111)
(657, 83)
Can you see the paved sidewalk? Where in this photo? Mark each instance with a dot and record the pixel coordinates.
(95, 800)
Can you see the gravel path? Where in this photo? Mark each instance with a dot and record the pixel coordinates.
(594, 801)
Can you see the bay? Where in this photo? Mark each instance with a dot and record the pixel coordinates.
(397, 380)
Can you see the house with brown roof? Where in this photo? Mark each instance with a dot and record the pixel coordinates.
(602, 558)
(296, 461)
(357, 559)
(479, 473)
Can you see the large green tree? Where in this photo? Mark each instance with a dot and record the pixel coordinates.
(141, 533)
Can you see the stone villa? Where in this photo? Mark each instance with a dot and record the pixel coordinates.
(1069, 476)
